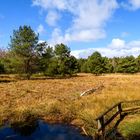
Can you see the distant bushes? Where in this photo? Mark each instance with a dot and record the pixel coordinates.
(97, 64)
(26, 57)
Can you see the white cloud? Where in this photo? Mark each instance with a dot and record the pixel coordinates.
(131, 4)
(117, 43)
(135, 43)
(52, 18)
(56, 37)
(40, 29)
(90, 21)
(82, 35)
(126, 49)
(50, 4)
(41, 41)
(89, 17)
(135, 4)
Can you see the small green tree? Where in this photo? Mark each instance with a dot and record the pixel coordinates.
(96, 63)
(107, 65)
(24, 48)
(114, 63)
(72, 64)
(9, 62)
(81, 63)
(67, 64)
(138, 63)
(127, 65)
(85, 67)
(45, 55)
(62, 51)
(52, 68)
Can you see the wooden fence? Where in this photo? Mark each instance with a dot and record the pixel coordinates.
(120, 109)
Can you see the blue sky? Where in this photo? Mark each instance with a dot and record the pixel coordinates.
(108, 26)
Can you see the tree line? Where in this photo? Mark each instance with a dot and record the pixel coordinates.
(26, 56)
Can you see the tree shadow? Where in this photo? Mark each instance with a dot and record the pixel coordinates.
(120, 120)
(114, 134)
(25, 128)
(134, 137)
(54, 77)
(7, 81)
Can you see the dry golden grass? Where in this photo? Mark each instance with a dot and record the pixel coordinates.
(59, 100)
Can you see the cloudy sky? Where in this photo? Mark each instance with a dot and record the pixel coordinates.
(111, 27)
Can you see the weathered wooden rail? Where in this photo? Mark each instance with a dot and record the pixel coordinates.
(120, 109)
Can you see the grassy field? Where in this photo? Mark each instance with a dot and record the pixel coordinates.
(58, 100)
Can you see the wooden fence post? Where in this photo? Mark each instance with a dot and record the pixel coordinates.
(101, 125)
(102, 122)
(119, 109)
